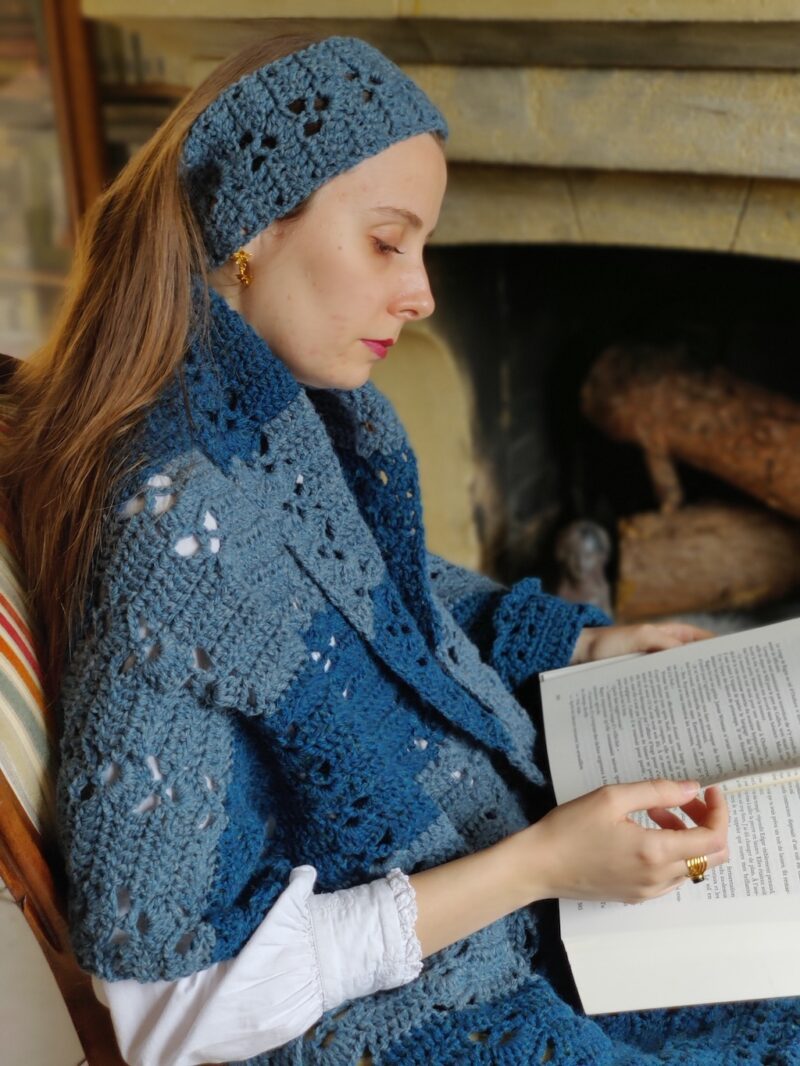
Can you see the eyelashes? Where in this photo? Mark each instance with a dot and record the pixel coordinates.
(384, 249)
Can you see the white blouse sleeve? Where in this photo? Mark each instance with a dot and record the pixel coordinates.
(309, 954)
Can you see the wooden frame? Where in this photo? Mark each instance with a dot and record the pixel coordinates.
(76, 100)
(26, 870)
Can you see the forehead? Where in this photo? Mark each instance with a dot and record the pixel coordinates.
(409, 176)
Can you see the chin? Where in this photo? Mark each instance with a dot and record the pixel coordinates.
(353, 379)
(344, 374)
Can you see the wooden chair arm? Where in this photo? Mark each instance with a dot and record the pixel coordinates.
(30, 881)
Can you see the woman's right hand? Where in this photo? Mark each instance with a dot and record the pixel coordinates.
(591, 849)
(587, 849)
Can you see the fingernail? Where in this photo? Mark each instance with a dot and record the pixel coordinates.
(691, 788)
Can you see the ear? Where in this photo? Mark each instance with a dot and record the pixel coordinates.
(224, 277)
(254, 243)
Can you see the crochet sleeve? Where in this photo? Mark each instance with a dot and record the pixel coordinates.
(168, 813)
(311, 953)
(519, 631)
(145, 763)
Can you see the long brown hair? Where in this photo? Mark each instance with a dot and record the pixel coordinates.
(121, 333)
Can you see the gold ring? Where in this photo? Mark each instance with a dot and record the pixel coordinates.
(696, 868)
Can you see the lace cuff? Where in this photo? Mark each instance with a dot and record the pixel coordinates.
(365, 938)
(405, 899)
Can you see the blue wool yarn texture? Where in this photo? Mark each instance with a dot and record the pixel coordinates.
(274, 136)
(275, 671)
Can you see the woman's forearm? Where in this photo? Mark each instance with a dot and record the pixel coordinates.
(464, 895)
(589, 848)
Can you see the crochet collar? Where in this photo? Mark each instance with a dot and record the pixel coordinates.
(359, 483)
(238, 391)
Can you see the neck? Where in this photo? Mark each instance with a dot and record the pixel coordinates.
(224, 282)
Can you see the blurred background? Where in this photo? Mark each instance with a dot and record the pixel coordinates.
(34, 209)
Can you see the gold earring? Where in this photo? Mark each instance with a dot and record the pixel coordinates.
(241, 259)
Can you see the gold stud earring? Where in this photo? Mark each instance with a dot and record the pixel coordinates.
(242, 261)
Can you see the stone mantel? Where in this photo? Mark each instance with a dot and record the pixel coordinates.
(645, 122)
(745, 11)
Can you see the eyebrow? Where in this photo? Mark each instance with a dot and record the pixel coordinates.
(403, 213)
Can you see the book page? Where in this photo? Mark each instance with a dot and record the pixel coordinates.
(743, 958)
(720, 710)
(742, 924)
(712, 710)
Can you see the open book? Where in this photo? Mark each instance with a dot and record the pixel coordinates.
(724, 711)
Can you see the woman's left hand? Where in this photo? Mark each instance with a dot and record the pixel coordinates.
(604, 642)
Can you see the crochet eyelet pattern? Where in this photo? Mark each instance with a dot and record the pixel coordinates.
(273, 137)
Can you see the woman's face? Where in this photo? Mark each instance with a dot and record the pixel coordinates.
(349, 270)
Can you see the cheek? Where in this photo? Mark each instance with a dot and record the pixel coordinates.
(321, 297)
(342, 294)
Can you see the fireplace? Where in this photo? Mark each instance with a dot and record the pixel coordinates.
(526, 323)
(626, 177)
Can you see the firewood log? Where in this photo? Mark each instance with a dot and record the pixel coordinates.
(704, 557)
(713, 420)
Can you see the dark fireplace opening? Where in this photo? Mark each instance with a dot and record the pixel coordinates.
(528, 322)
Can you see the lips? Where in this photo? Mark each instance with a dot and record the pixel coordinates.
(379, 348)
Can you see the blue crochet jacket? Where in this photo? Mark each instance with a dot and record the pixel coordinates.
(274, 671)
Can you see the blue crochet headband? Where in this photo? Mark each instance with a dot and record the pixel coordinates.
(273, 137)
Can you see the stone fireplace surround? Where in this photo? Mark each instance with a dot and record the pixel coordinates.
(668, 123)
(664, 124)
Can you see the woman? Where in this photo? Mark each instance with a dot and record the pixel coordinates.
(267, 681)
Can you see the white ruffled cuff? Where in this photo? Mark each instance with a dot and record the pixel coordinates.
(365, 938)
(405, 899)
(309, 954)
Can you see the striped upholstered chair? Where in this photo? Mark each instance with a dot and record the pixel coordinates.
(28, 862)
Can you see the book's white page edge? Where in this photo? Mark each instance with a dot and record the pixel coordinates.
(550, 675)
(684, 911)
(674, 968)
(733, 639)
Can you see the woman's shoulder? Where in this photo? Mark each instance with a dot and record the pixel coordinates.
(186, 520)
(188, 574)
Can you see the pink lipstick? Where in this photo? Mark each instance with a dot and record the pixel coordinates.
(380, 348)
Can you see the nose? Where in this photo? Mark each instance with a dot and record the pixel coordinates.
(415, 300)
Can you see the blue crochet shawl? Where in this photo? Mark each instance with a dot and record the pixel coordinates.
(274, 671)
